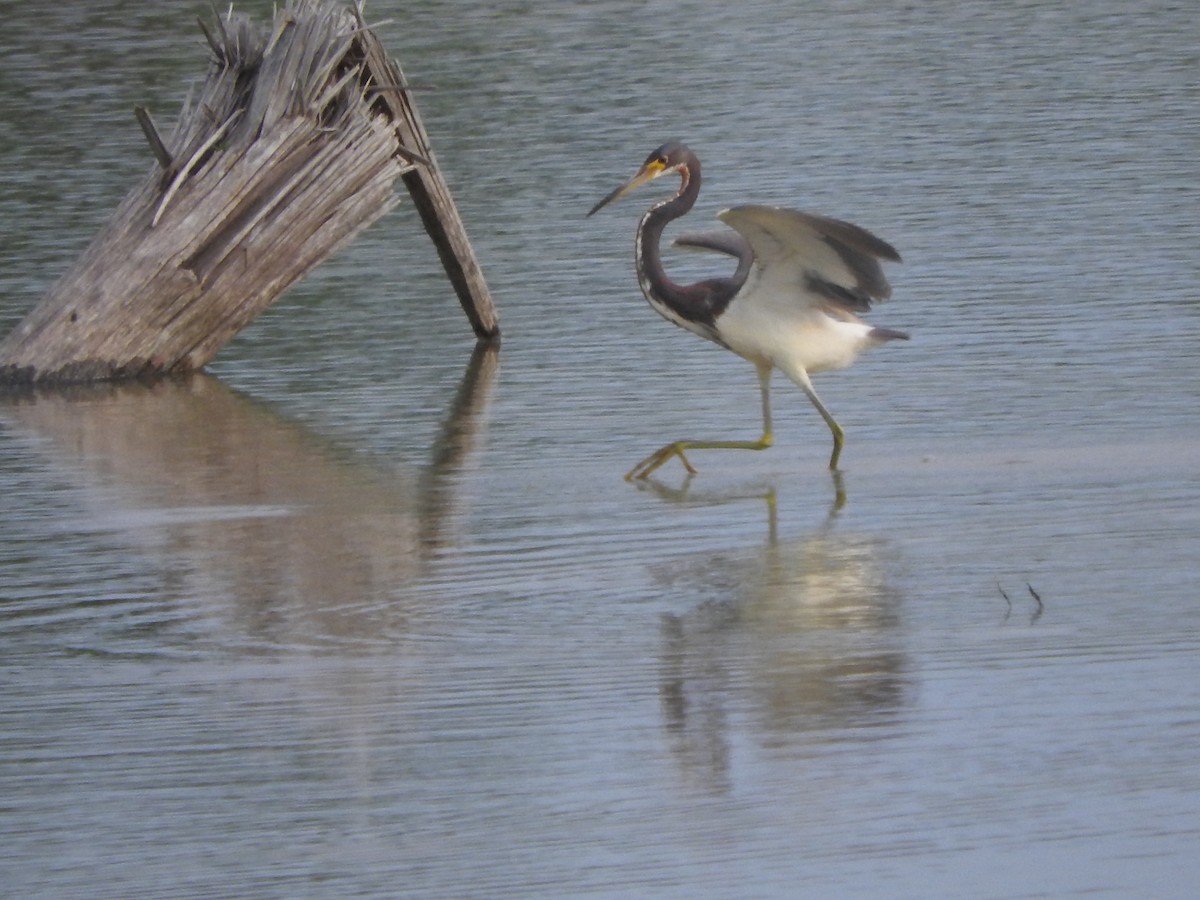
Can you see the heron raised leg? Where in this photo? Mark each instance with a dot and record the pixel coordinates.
(677, 448)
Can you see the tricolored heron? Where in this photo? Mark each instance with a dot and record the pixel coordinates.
(790, 305)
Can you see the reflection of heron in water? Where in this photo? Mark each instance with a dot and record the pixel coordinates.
(802, 634)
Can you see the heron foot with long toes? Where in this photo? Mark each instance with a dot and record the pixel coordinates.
(661, 456)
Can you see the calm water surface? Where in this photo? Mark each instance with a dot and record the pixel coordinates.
(360, 613)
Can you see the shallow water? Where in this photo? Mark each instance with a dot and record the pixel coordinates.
(360, 613)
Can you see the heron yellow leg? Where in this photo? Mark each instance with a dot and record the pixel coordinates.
(677, 448)
(839, 436)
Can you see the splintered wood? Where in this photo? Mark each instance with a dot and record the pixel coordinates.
(290, 148)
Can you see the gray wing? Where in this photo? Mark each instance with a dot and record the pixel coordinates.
(725, 241)
(822, 259)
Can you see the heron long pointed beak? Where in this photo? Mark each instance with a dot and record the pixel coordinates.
(644, 174)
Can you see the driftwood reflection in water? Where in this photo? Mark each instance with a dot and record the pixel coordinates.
(799, 639)
(295, 540)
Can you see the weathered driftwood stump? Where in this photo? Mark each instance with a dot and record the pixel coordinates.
(292, 147)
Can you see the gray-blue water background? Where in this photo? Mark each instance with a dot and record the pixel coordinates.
(358, 614)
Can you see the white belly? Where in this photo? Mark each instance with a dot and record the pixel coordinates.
(790, 336)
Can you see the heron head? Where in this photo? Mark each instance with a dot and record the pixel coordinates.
(672, 156)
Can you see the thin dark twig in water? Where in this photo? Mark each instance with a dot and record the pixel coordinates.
(1041, 607)
(1037, 613)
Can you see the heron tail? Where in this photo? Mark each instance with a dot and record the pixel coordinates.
(883, 335)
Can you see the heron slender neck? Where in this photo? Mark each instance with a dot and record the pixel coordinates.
(655, 282)
(691, 306)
